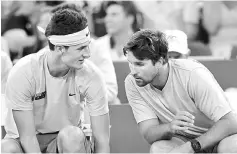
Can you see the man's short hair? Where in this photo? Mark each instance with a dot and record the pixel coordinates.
(147, 44)
(129, 8)
(65, 21)
(67, 5)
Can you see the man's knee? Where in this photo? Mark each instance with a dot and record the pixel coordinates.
(228, 145)
(165, 146)
(160, 147)
(71, 139)
(10, 146)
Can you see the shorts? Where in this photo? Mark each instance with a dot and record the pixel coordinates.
(48, 143)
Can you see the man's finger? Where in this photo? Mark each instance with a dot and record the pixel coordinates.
(185, 118)
(183, 123)
(187, 114)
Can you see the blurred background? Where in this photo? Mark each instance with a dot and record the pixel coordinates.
(210, 26)
(203, 30)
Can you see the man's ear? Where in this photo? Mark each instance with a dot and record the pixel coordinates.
(159, 63)
(60, 48)
(161, 60)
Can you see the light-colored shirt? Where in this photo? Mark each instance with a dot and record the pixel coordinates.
(6, 66)
(102, 59)
(105, 48)
(190, 87)
(56, 102)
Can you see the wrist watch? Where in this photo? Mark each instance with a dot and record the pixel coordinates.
(195, 145)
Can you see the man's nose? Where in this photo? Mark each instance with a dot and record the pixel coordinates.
(87, 53)
(133, 70)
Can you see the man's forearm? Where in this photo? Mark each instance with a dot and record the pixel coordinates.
(222, 129)
(102, 147)
(158, 132)
(30, 144)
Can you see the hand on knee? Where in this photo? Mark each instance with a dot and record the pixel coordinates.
(71, 139)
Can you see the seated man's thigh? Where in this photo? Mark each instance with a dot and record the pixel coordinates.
(228, 145)
(11, 146)
(165, 146)
(72, 139)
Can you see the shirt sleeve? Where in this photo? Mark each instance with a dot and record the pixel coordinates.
(96, 97)
(19, 87)
(207, 94)
(141, 110)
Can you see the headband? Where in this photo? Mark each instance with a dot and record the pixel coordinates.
(80, 37)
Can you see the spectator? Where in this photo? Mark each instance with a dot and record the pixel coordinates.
(20, 29)
(198, 36)
(177, 44)
(162, 15)
(222, 27)
(122, 19)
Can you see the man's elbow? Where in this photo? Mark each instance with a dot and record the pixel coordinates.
(148, 138)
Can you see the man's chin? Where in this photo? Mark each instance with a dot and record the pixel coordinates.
(140, 83)
(77, 67)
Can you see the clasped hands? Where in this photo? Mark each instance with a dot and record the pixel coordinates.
(181, 123)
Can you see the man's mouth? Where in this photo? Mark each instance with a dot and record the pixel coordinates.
(138, 79)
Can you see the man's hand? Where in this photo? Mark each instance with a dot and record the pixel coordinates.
(181, 122)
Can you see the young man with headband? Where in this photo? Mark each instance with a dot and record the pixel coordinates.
(46, 92)
(177, 103)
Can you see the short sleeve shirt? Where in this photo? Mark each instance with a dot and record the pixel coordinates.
(56, 101)
(190, 87)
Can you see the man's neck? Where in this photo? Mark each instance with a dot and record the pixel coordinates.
(161, 78)
(55, 65)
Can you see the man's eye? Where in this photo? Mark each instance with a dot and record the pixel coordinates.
(140, 64)
(81, 48)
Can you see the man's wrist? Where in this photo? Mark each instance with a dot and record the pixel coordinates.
(189, 147)
(196, 146)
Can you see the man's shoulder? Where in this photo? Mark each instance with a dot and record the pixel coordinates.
(130, 82)
(29, 63)
(186, 64)
(24, 64)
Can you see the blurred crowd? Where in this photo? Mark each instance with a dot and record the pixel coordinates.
(112, 22)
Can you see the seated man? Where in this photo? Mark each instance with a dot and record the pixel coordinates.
(177, 103)
(44, 93)
(100, 58)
